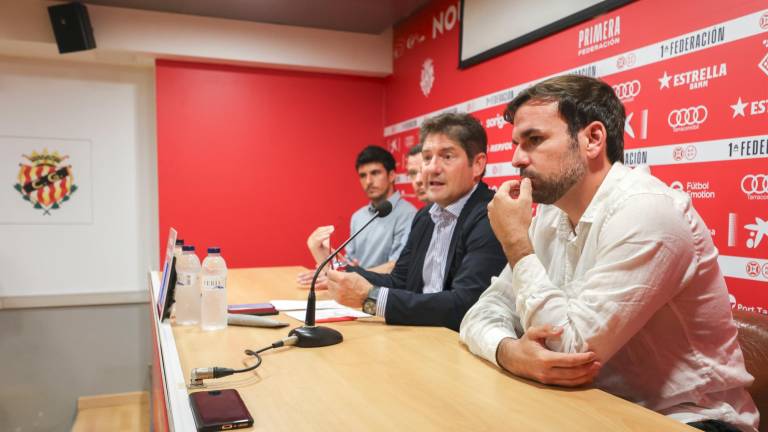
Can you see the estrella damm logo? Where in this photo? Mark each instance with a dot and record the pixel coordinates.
(46, 183)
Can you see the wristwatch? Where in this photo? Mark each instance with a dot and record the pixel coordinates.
(369, 305)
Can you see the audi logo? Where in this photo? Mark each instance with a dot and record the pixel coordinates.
(627, 89)
(754, 184)
(687, 116)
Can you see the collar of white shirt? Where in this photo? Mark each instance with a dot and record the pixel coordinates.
(451, 211)
(563, 226)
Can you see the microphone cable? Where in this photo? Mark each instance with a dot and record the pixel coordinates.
(199, 374)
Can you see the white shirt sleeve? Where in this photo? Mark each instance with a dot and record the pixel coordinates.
(491, 319)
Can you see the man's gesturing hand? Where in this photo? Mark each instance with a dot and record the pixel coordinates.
(349, 289)
(319, 242)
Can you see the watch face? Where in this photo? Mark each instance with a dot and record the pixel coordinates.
(369, 307)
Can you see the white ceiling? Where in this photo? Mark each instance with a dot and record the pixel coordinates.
(360, 16)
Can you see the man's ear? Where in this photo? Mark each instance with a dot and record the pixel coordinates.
(595, 136)
(478, 165)
(391, 176)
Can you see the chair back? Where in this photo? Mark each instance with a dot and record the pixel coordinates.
(753, 337)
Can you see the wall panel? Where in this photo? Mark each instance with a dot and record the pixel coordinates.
(252, 160)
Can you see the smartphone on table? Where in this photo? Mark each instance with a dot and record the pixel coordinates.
(219, 410)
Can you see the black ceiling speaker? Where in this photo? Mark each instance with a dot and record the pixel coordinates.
(72, 27)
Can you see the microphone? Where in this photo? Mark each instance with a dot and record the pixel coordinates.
(309, 335)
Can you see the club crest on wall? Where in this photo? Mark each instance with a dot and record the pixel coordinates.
(45, 182)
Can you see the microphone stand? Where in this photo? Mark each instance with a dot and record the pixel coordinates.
(310, 335)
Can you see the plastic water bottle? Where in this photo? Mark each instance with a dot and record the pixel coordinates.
(188, 287)
(214, 289)
(177, 249)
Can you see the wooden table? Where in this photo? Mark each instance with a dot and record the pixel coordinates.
(380, 378)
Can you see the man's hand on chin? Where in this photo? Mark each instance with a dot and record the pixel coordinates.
(510, 218)
(349, 289)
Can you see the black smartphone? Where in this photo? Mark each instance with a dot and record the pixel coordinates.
(219, 410)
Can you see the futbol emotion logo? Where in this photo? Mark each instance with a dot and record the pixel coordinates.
(691, 116)
(754, 184)
(627, 90)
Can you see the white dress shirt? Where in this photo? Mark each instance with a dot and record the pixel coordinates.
(637, 280)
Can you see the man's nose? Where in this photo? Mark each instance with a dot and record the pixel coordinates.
(520, 158)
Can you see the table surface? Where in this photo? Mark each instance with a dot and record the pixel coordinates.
(382, 377)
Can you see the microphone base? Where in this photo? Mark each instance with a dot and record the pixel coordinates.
(315, 337)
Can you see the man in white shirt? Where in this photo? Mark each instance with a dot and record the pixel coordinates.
(615, 281)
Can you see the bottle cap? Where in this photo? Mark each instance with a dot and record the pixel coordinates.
(187, 248)
(214, 250)
(179, 242)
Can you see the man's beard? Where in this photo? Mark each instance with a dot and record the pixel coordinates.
(549, 189)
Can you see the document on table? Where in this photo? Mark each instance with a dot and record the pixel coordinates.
(330, 315)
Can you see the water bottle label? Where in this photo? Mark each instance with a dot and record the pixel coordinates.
(214, 282)
(186, 279)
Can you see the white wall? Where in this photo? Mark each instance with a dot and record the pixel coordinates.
(113, 108)
(130, 36)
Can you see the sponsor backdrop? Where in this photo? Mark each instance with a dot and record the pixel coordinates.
(693, 76)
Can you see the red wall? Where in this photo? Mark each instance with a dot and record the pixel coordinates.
(252, 160)
(710, 160)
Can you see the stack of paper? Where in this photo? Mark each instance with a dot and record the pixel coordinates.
(327, 310)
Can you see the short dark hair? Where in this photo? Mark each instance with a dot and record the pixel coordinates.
(373, 154)
(460, 127)
(580, 101)
(415, 150)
